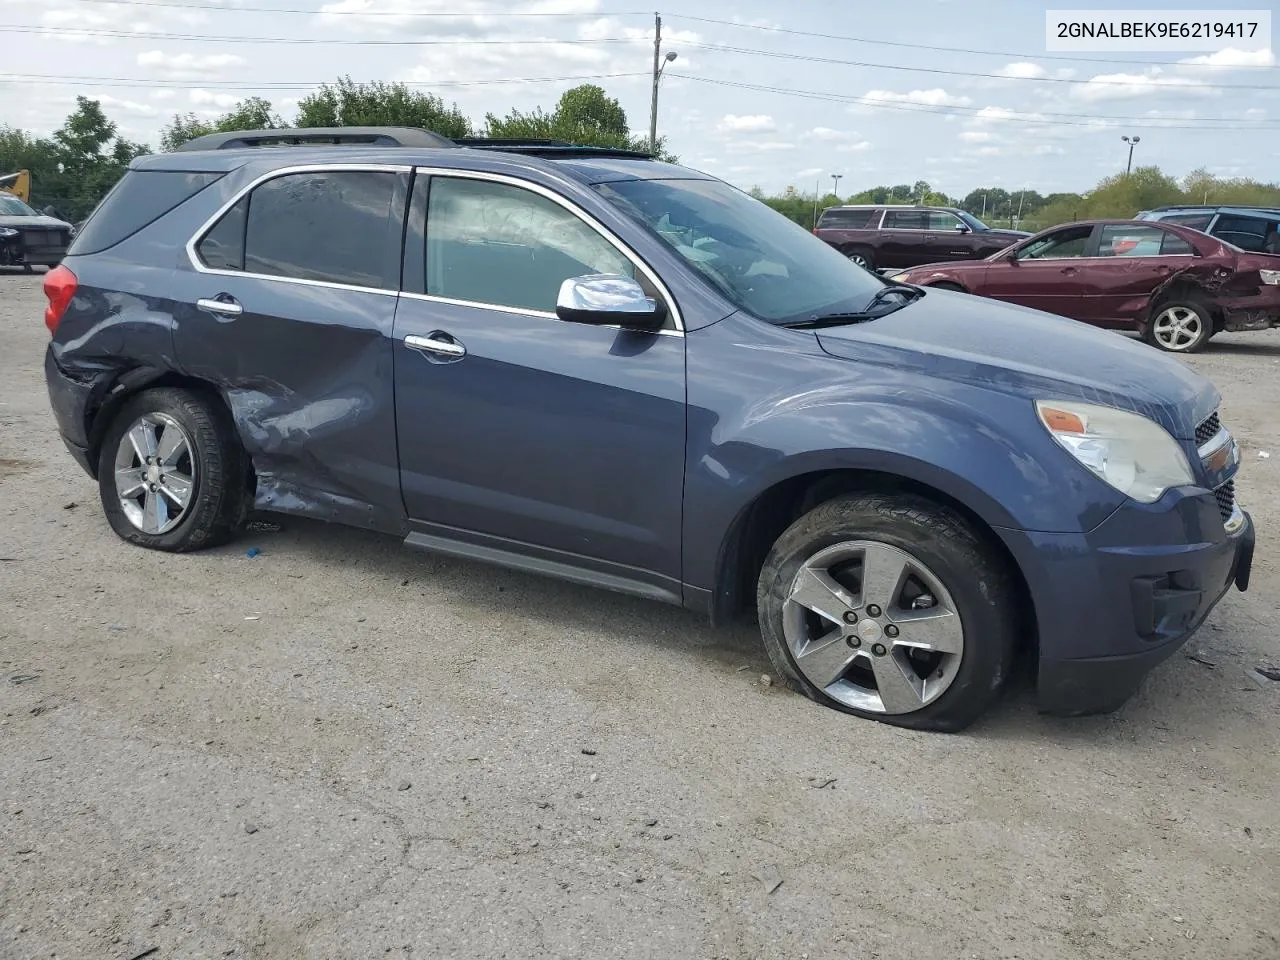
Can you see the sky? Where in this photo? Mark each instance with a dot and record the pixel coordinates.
(959, 94)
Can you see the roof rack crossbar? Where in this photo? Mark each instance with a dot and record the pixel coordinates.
(333, 136)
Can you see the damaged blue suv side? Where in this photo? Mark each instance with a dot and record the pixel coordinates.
(621, 372)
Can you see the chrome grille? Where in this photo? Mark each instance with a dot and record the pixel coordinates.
(1208, 430)
(1226, 497)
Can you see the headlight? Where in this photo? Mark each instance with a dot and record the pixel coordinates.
(8, 232)
(1135, 455)
(899, 276)
(1270, 276)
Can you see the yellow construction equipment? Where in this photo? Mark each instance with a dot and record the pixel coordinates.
(19, 184)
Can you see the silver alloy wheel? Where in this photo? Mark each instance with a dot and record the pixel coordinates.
(1177, 328)
(873, 628)
(155, 473)
(860, 260)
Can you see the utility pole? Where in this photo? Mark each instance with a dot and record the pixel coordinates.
(657, 72)
(984, 207)
(817, 193)
(835, 185)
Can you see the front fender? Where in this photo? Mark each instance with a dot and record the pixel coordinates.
(762, 413)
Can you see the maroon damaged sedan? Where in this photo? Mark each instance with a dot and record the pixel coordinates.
(1174, 285)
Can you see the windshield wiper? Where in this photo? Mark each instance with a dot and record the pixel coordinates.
(889, 289)
(869, 312)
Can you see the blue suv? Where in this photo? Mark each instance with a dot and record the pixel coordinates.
(620, 372)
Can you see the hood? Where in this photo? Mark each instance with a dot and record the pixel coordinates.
(40, 222)
(1029, 354)
(1010, 235)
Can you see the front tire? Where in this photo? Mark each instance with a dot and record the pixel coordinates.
(172, 474)
(1179, 326)
(890, 608)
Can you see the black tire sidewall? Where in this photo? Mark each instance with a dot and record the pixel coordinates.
(979, 584)
(207, 517)
(864, 253)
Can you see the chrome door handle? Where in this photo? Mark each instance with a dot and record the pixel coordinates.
(227, 307)
(435, 344)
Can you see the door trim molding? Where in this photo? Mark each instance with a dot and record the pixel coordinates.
(545, 561)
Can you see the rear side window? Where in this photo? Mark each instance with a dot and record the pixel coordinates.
(140, 198)
(848, 219)
(1128, 241)
(326, 225)
(1247, 233)
(906, 220)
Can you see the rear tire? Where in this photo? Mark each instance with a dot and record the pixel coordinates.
(1180, 325)
(925, 641)
(28, 268)
(172, 474)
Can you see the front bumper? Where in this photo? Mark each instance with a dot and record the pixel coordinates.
(15, 252)
(1108, 611)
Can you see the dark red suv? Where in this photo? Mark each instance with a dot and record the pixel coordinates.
(900, 236)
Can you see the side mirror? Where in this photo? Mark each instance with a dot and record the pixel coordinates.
(608, 300)
(962, 228)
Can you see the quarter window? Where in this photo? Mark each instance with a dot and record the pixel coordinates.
(493, 243)
(842, 219)
(326, 225)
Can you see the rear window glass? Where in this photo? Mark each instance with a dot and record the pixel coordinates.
(847, 219)
(139, 199)
(1127, 241)
(1196, 221)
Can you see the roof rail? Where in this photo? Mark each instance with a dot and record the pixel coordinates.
(549, 148)
(334, 136)
(1216, 206)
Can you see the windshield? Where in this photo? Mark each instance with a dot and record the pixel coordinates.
(13, 207)
(764, 263)
(972, 221)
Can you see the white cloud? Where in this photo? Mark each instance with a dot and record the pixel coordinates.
(862, 146)
(1123, 86)
(1002, 115)
(772, 145)
(936, 97)
(826, 133)
(976, 136)
(754, 123)
(1022, 70)
(989, 151)
(172, 65)
(1230, 58)
(110, 104)
(808, 172)
(210, 98)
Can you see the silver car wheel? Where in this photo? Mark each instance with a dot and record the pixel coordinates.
(155, 473)
(1177, 328)
(872, 627)
(860, 260)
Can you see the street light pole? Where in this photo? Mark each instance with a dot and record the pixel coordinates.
(659, 63)
(1132, 142)
(835, 185)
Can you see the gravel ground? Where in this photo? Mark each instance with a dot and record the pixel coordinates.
(343, 749)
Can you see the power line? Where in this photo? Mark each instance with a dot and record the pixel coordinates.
(1172, 84)
(274, 84)
(204, 38)
(495, 15)
(945, 110)
(922, 46)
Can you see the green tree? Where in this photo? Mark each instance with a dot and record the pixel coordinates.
(254, 113)
(584, 115)
(81, 162)
(350, 104)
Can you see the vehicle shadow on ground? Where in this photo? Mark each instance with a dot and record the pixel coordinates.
(20, 272)
(572, 607)
(1242, 348)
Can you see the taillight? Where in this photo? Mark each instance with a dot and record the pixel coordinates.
(59, 286)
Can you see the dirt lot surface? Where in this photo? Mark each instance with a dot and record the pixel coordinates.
(342, 749)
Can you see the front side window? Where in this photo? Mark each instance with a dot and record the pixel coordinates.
(325, 225)
(493, 243)
(1119, 240)
(1071, 242)
(942, 221)
(906, 220)
(759, 260)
